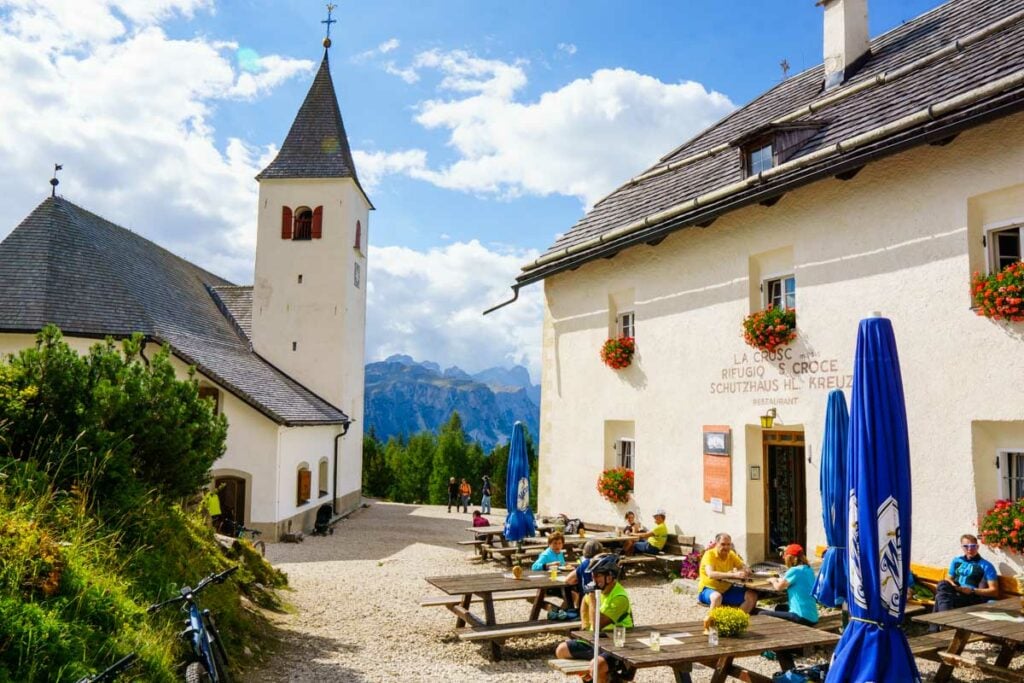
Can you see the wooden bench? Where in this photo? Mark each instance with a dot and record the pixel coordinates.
(511, 552)
(452, 600)
(571, 667)
(516, 630)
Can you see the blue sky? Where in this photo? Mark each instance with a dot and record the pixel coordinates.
(482, 129)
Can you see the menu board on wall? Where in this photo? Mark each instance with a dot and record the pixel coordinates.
(717, 466)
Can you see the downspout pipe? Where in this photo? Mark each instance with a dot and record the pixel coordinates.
(515, 297)
(337, 439)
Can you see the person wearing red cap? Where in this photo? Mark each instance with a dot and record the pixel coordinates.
(798, 582)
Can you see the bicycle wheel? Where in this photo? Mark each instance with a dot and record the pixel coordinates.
(196, 673)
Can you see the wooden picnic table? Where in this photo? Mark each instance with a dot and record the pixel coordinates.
(486, 585)
(493, 536)
(968, 622)
(764, 633)
(605, 537)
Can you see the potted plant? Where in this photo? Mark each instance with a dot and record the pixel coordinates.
(730, 621)
(771, 328)
(1003, 526)
(616, 484)
(1000, 296)
(617, 352)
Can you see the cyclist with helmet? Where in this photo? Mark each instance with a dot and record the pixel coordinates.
(613, 610)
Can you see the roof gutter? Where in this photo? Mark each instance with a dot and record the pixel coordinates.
(515, 292)
(814, 107)
(929, 113)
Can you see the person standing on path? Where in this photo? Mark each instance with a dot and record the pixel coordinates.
(453, 494)
(465, 491)
(485, 496)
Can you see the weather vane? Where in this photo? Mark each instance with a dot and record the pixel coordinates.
(785, 68)
(53, 181)
(329, 21)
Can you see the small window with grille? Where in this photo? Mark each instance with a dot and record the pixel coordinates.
(1012, 466)
(627, 454)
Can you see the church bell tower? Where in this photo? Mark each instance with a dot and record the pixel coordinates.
(309, 292)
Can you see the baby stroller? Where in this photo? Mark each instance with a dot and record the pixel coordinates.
(322, 526)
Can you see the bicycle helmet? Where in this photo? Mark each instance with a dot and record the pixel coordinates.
(605, 564)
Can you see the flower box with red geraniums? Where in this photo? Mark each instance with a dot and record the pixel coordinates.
(1000, 296)
(616, 484)
(771, 328)
(1003, 526)
(617, 352)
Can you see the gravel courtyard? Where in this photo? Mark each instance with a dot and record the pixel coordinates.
(357, 615)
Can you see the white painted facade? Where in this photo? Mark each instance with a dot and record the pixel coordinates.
(902, 237)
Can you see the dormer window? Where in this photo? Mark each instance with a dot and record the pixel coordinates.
(774, 144)
(760, 159)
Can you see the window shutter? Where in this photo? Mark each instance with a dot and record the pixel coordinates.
(286, 223)
(318, 222)
(359, 236)
(304, 485)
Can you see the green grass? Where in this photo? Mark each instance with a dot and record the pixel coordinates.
(73, 588)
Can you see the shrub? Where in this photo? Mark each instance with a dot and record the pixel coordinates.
(769, 329)
(1000, 296)
(616, 484)
(617, 352)
(730, 621)
(1003, 526)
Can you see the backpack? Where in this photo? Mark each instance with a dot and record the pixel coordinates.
(573, 526)
(802, 674)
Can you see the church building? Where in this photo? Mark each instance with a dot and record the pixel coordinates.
(890, 178)
(282, 358)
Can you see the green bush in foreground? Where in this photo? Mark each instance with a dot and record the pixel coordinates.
(97, 453)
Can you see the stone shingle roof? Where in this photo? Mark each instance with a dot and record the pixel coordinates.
(983, 62)
(316, 146)
(67, 266)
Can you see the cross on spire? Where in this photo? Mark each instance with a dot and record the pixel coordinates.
(53, 181)
(784, 64)
(328, 21)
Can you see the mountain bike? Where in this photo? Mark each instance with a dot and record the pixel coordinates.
(253, 536)
(208, 660)
(113, 671)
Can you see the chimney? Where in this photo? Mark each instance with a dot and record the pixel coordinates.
(846, 37)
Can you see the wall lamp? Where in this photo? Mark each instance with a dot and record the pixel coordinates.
(768, 419)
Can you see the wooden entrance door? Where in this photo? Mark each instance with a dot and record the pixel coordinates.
(785, 492)
(231, 491)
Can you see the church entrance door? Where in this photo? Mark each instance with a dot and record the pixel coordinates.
(785, 493)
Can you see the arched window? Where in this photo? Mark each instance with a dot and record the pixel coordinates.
(323, 477)
(303, 224)
(359, 236)
(304, 481)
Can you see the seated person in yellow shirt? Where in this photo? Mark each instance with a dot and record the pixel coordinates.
(658, 537)
(719, 564)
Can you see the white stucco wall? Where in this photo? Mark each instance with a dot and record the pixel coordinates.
(902, 238)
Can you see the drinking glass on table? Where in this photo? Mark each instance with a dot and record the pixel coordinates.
(655, 640)
(619, 636)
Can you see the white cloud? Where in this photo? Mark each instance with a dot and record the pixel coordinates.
(581, 140)
(375, 165)
(408, 74)
(567, 48)
(389, 45)
(434, 301)
(98, 86)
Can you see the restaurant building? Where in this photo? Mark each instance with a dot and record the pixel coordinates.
(879, 181)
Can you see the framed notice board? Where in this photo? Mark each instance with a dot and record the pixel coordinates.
(717, 464)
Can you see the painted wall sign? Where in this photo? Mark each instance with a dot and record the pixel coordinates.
(786, 369)
(716, 443)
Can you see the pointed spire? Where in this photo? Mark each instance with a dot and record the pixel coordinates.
(316, 146)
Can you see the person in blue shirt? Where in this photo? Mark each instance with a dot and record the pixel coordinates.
(553, 553)
(797, 582)
(582, 576)
(971, 579)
